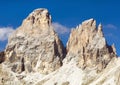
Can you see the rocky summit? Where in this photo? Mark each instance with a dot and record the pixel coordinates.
(35, 55)
(88, 48)
(35, 46)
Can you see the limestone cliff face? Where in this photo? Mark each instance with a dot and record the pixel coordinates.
(34, 46)
(89, 60)
(35, 55)
(88, 48)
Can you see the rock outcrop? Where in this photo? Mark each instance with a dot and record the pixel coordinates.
(88, 48)
(35, 55)
(89, 60)
(34, 46)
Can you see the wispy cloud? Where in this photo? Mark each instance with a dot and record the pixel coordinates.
(59, 28)
(5, 32)
(110, 26)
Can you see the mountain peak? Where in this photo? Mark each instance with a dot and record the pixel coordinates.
(35, 45)
(88, 46)
(39, 18)
(35, 55)
(91, 23)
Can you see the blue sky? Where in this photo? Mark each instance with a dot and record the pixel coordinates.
(66, 14)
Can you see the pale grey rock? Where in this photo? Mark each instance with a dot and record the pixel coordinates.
(73, 75)
(34, 55)
(34, 46)
(89, 61)
(88, 48)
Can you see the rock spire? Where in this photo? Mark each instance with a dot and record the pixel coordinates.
(88, 47)
(34, 46)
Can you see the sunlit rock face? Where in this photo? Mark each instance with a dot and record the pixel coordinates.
(88, 48)
(34, 46)
(35, 55)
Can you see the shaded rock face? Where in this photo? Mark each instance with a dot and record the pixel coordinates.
(87, 46)
(2, 58)
(34, 46)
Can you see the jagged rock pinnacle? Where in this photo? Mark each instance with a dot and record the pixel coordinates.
(39, 18)
(35, 55)
(34, 46)
(100, 29)
(91, 23)
(88, 46)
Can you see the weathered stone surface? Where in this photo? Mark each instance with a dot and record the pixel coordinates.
(88, 48)
(34, 46)
(35, 55)
(89, 60)
(74, 75)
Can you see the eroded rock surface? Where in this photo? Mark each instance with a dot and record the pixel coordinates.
(88, 48)
(34, 46)
(35, 55)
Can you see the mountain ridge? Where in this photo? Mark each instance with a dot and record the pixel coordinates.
(35, 55)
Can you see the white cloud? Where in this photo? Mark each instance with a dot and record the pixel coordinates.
(5, 32)
(111, 26)
(61, 29)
